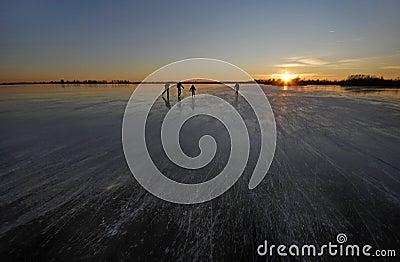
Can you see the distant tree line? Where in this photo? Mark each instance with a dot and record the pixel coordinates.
(351, 80)
(92, 82)
(74, 82)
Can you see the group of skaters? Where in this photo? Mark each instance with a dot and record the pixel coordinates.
(192, 89)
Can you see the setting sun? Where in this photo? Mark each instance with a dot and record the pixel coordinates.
(286, 77)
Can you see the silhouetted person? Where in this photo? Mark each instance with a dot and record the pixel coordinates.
(166, 89)
(193, 90)
(179, 86)
(237, 88)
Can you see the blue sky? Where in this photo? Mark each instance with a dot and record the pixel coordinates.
(50, 40)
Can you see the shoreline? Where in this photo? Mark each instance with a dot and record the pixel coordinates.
(344, 85)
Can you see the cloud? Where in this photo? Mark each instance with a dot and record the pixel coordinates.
(312, 61)
(391, 67)
(295, 58)
(350, 61)
(378, 64)
(278, 75)
(291, 65)
(301, 61)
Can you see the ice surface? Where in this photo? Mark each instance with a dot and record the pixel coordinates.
(66, 191)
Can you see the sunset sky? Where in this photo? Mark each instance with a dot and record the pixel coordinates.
(53, 40)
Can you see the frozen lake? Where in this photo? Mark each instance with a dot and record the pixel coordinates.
(66, 191)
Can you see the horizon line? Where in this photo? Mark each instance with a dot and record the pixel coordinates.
(126, 81)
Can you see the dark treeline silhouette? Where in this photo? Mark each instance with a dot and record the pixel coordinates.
(75, 82)
(351, 80)
(93, 82)
(117, 82)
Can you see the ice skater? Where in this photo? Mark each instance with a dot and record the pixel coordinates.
(237, 88)
(193, 90)
(179, 86)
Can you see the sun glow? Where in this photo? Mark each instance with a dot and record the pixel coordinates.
(286, 77)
